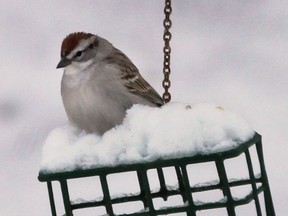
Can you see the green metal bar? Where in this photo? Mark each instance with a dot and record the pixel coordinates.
(51, 198)
(226, 189)
(180, 183)
(247, 199)
(66, 198)
(233, 183)
(142, 190)
(106, 194)
(267, 193)
(163, 188)
(191, 209)
(171, 210)
(253, 182)
(147, 190)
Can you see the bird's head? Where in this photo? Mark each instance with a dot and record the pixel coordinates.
(81, 49)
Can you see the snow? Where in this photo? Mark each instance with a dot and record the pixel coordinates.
(200, 202)
(147, 133)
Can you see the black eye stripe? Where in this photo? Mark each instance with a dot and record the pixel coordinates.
(80, 52)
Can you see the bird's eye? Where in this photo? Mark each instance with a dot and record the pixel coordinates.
(79, 53)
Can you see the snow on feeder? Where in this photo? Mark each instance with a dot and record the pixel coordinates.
(151, 168)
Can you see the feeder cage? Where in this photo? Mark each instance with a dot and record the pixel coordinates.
(258, 194)
(258, 183)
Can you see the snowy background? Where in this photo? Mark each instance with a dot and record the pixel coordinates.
(232, 53)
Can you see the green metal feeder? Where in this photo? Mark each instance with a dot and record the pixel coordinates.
(258, 182)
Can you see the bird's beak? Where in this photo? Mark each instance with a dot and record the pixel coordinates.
(63, 63)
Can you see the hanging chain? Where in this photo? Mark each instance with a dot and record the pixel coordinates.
(167, 51)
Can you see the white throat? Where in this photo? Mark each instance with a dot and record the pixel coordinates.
(77, 67)
(77, 73)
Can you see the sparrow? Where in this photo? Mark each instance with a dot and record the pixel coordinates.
(100, 83)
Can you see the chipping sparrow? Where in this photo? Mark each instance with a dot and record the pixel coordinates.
(100, 83)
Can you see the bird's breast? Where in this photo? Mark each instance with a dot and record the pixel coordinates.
(90, 105)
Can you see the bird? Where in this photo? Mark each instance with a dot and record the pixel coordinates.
(100, 83)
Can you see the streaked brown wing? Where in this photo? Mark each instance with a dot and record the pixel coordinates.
(138, 85)
(133, 80)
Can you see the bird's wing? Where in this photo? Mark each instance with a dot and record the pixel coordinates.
(136, 84)
(133, 80)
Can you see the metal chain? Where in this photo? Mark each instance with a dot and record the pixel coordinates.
(167, 51)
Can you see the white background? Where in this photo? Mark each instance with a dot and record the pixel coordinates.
(232, 53)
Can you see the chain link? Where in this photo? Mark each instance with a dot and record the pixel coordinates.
(167, 23)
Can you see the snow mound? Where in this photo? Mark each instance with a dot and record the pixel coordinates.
(146, 134)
